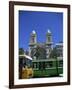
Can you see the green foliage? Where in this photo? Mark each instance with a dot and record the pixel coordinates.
(21, 51)
(27, 52)
(40, 52)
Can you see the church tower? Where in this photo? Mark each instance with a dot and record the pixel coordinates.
(33, 41)
(33, 37)
(48, 43)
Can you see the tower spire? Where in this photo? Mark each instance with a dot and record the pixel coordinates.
(48, 43)
(33, 41)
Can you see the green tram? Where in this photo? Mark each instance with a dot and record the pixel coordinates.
(47, 67)
(33, 68)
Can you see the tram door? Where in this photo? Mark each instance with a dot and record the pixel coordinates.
(41, 65)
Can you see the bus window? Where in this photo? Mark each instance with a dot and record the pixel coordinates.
(35, 65)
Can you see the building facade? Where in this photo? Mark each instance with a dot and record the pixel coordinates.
(45, 47)
(59, 47)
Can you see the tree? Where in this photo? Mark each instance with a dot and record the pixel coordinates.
(33, 52)
(37, 54)
(40, 52)
(21, 51)
(27, 52)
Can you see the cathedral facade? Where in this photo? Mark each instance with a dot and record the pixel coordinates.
(35, 47)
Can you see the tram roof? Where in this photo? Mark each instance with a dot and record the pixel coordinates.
(44, 60)
(26, 56)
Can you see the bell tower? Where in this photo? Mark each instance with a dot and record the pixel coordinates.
(33, 37)
(33, 41)
(48, 43)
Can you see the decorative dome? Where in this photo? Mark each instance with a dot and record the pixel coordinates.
(49, 31)
(33, 32)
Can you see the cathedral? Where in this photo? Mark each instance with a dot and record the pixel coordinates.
(46, 47)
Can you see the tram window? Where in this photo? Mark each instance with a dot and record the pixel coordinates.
(34, 65)
(22, 62)
(49, 64)
(41, 65)
(61, 63)
(30, 64)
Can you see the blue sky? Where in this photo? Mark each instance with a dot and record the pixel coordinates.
(40, 22)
